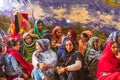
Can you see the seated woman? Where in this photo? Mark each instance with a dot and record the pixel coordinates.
(84, 37)
(72, 62)
(15, 65)
(38, 28)
(29, 41)
(44, 61)
(92, 55)
(109, 63)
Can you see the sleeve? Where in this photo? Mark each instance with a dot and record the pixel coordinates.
(16, 66)
(24, 52)
(34, 60)
(76, 66)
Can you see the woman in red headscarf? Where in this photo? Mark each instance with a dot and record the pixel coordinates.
(73, 36)
(109, 63)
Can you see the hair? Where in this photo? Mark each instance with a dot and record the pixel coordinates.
(14, 42)
(0, 48)
(16, 24)
(74, 45)
(85, 35)
(95, 45)
(40, 21)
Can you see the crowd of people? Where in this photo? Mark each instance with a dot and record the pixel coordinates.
(28, 53)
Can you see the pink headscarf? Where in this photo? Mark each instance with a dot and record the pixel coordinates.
(74, 36)
(108, 62)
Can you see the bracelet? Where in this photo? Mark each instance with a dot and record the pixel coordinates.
(65, 69)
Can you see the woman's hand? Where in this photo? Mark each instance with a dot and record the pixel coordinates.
(43, 66)
(25, 76)
(60, 70)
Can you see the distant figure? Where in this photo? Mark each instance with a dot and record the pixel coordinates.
(73, 36)
(85, 36)
(38, 28)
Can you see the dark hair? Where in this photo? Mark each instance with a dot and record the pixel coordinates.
(0, 48)
(40, 21)
(85, 35)
(14, 42)
(16, 24)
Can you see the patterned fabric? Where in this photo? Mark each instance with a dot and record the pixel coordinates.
(11, 66)
(91, 52)
(46, 56)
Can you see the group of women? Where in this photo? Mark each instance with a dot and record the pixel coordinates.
(40, 54)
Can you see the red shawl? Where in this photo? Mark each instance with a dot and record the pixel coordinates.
(108, 62)
(27, 67)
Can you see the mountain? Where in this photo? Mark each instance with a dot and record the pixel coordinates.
(94, 14)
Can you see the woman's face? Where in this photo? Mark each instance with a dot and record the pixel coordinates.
(40, 25)
(118, 39)
(28, 39)
(38, 47)
(69, 46)
(59, 33)
(114, 48)
(69, 35)
(17, 46)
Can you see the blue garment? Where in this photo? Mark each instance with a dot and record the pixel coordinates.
(61, 49)
(2, 60)
(11, 66)
(38, 74)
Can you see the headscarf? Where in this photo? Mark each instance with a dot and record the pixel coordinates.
(92, 43)
(55, 29)
(113, 36)
(28, 49)
(108, 62)
(88, 32)
(44, 44)
(82, 45)
(74, 36)
(25, 35)
(36, 30)
(65, 56)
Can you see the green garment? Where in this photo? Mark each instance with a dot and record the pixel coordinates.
(37, 31)
(91, 42)
(28, 50)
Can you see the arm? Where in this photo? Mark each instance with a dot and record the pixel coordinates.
(34, 60)
(76, 66)
(16, 67)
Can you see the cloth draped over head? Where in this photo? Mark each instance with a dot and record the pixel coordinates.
(91, 43)
(44, 44)
(108, 62)
(55, 29)
(88, 32)
(36, 30)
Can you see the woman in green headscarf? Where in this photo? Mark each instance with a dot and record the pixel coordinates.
(38, 28)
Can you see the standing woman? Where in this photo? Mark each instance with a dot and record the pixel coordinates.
(109, 63)
(71, 65)
(38, 28)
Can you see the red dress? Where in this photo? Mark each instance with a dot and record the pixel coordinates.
(108, 65)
